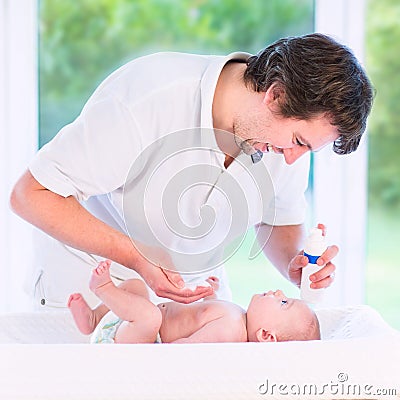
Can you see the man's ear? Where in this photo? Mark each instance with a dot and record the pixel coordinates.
(274, 95)
(263, 335)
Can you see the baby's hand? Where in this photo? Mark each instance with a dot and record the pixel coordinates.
(214, 282)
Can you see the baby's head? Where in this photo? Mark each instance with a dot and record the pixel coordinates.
(273, 317)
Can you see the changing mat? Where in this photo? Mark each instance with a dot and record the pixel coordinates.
(359, 358)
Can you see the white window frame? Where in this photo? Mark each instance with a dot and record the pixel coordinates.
(340, 194)
(340, 182)
(18, 140)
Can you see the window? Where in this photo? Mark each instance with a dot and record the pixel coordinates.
(71, 67)
(383, 64)
(82, 42)
(18, 137)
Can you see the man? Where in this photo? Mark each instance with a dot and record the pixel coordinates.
(167, 143)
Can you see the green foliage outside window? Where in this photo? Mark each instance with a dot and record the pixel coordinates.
(81, 42)
(383, 64)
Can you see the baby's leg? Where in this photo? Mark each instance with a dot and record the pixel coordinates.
(130, 303)
(85, 318)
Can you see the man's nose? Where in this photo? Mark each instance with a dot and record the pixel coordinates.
(294, 153)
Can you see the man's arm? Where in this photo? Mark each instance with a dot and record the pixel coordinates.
(281, 244)
(67, 221)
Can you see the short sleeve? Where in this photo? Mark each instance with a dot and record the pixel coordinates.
(93, 154)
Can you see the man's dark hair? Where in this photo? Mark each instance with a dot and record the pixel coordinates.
(316, 75)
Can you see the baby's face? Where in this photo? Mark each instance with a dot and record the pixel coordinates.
(277, 312)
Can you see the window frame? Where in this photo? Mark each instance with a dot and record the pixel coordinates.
(344, 209)
(18, 140)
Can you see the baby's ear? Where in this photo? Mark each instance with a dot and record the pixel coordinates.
(265, 336)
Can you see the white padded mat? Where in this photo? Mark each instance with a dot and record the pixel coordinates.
(53, 327)
(40, 327)
(359, 359)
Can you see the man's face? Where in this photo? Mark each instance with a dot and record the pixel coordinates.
(262, 127)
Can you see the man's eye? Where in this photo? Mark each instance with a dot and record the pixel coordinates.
(284, 302)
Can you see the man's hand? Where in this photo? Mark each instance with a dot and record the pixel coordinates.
(322, 278)
(169, 284)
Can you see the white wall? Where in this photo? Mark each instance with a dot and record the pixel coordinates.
(340, 195)
(18, 139)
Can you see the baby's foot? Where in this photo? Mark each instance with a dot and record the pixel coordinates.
(100, 277)
(83, 315)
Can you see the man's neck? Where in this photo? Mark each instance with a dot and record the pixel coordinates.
(227, 94)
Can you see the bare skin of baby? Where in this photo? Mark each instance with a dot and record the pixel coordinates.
(270, 316)
(210, 320)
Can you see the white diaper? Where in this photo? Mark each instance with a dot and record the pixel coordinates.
(107, 328)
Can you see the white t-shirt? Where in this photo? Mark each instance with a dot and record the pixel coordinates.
(142, 156)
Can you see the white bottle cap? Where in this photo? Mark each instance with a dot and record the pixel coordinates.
(313, 248)
(315, 243)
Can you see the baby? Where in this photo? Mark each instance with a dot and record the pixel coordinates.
(127, 316)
